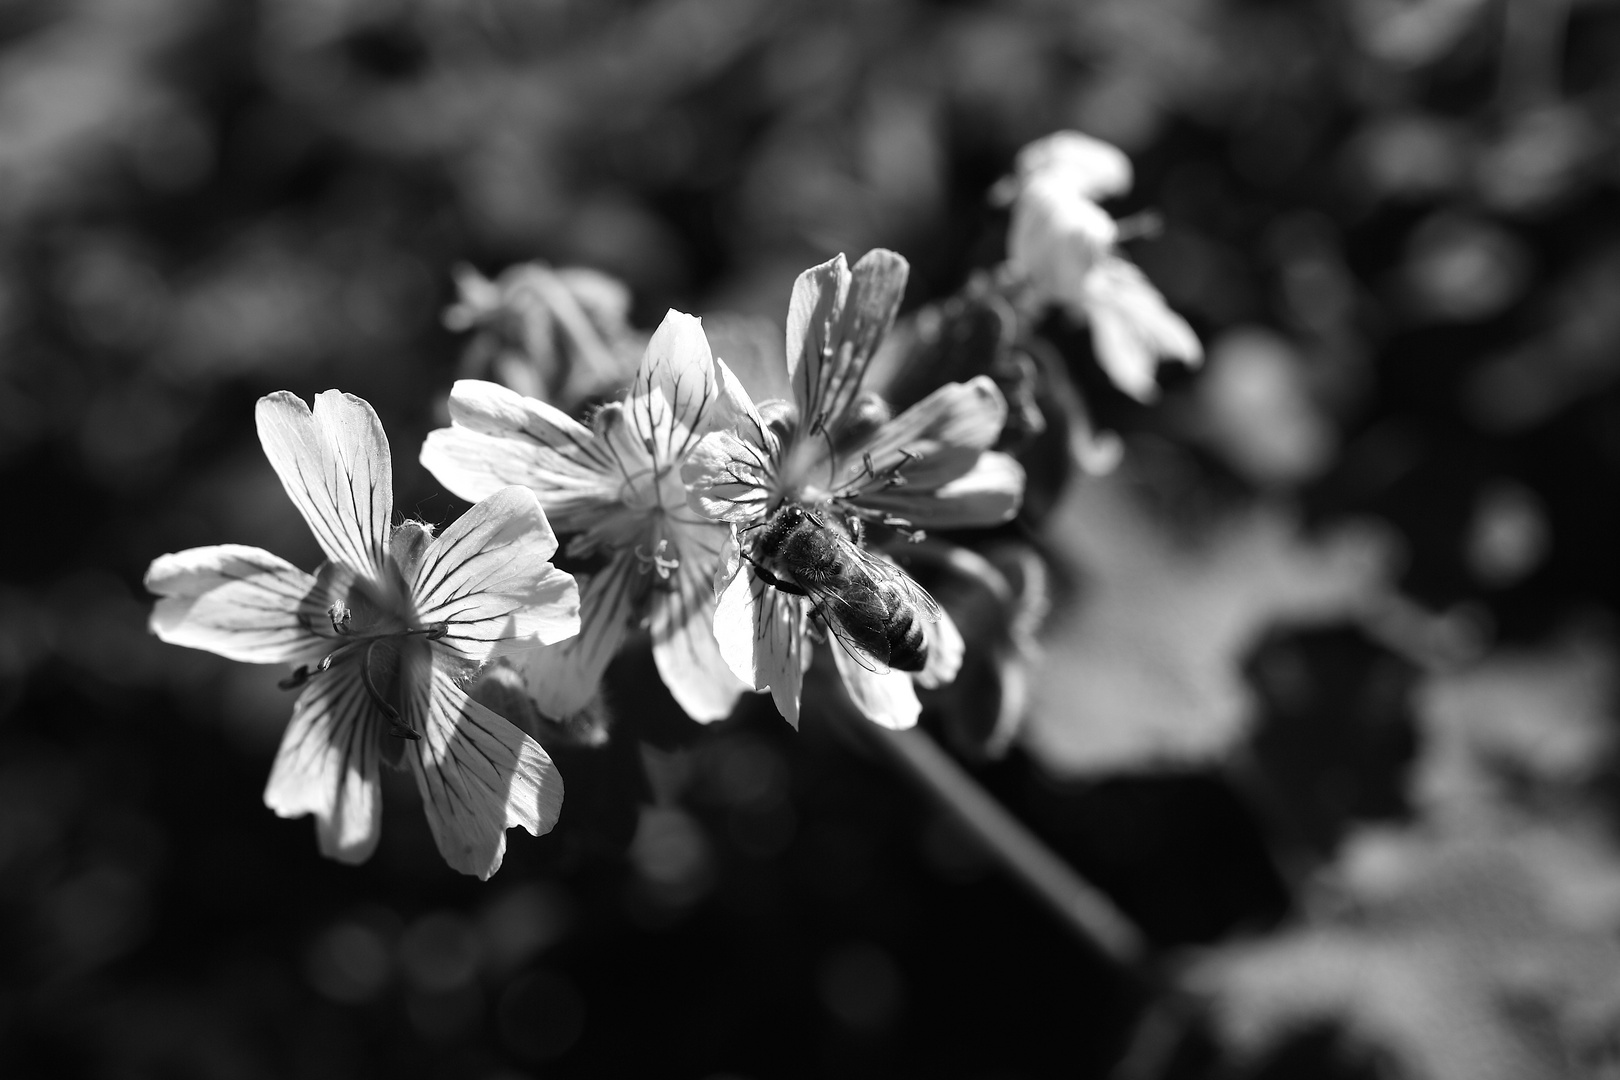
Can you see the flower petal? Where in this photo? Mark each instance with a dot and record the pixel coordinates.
(836, 319)
(886, 698)
(945, 650)
(478, 775)
(563, 678)
(1132, 327)
(486, 579)
(327, 765)
(242, 603)
(1091, 167)
(677, 396)
(1056, 238)
(335, 465)
(502, 438)
(987, 494)
(932, 443)
(729, 478)
(682, 624)
(763, 637)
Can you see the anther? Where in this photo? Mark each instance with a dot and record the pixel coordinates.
(296, 679)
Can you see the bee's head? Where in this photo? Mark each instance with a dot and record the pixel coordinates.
(779, 526)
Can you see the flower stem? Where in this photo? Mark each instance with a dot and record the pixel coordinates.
(1081, 906)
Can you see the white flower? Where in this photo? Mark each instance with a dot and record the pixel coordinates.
(832, 450)
(1064, 247)
(384, 634)
(615, 487)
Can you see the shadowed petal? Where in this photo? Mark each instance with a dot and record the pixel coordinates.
(478, 775)
(327, 765)
(932, 443)
(836, 319)
(242, 603)
(1133, 328)
(486, 578)
(885, 698)
(502, 438)
(682, 624)
(563, 678)
(987, 494)
(335, 466)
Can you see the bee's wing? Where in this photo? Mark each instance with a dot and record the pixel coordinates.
(833, 606)
(889, 573)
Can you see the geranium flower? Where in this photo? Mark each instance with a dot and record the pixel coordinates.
(823, 445)
(1064, 247)
(615, 487)
(384, 635)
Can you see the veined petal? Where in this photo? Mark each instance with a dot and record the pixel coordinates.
(327, 765)
(836, 318)
(762, 634)
(563, 678)
(501, 438)
(945, 649)
(682, 624)
(478, 775)
(886, 698)
(335, 466)
(728, 478)
(1132, 327)
(242, 603)
(677, 396)
(486, 579)
(987, 494)
(932, 443)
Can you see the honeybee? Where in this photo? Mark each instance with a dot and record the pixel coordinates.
(871, 605)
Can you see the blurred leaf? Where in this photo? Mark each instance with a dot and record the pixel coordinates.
(1524, 726)
(1451, 957)
(1144, 669)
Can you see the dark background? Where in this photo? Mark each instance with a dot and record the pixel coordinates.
(1392, 223)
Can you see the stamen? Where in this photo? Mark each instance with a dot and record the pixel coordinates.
(656, 560)
(296, 679)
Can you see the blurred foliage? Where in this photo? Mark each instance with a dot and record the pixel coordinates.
(1360, 569)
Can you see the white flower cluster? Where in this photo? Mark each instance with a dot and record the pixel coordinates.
(727, 511)
(1063, 246)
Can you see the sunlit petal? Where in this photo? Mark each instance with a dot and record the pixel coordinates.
(677, 396)
(682, 625)
(885, 697)
(1133, 328)
(764, 636)
(486, 579)
(945, 649)
(1092, 168)
(335, 465)
(987, 494)
(932, 443)
(478, 775)
(242, 603)
(563, 678)
(501, 438)
(327, 765)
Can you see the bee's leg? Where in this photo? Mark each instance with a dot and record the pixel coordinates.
(773, 581)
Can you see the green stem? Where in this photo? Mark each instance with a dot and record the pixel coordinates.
(1078, 903)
